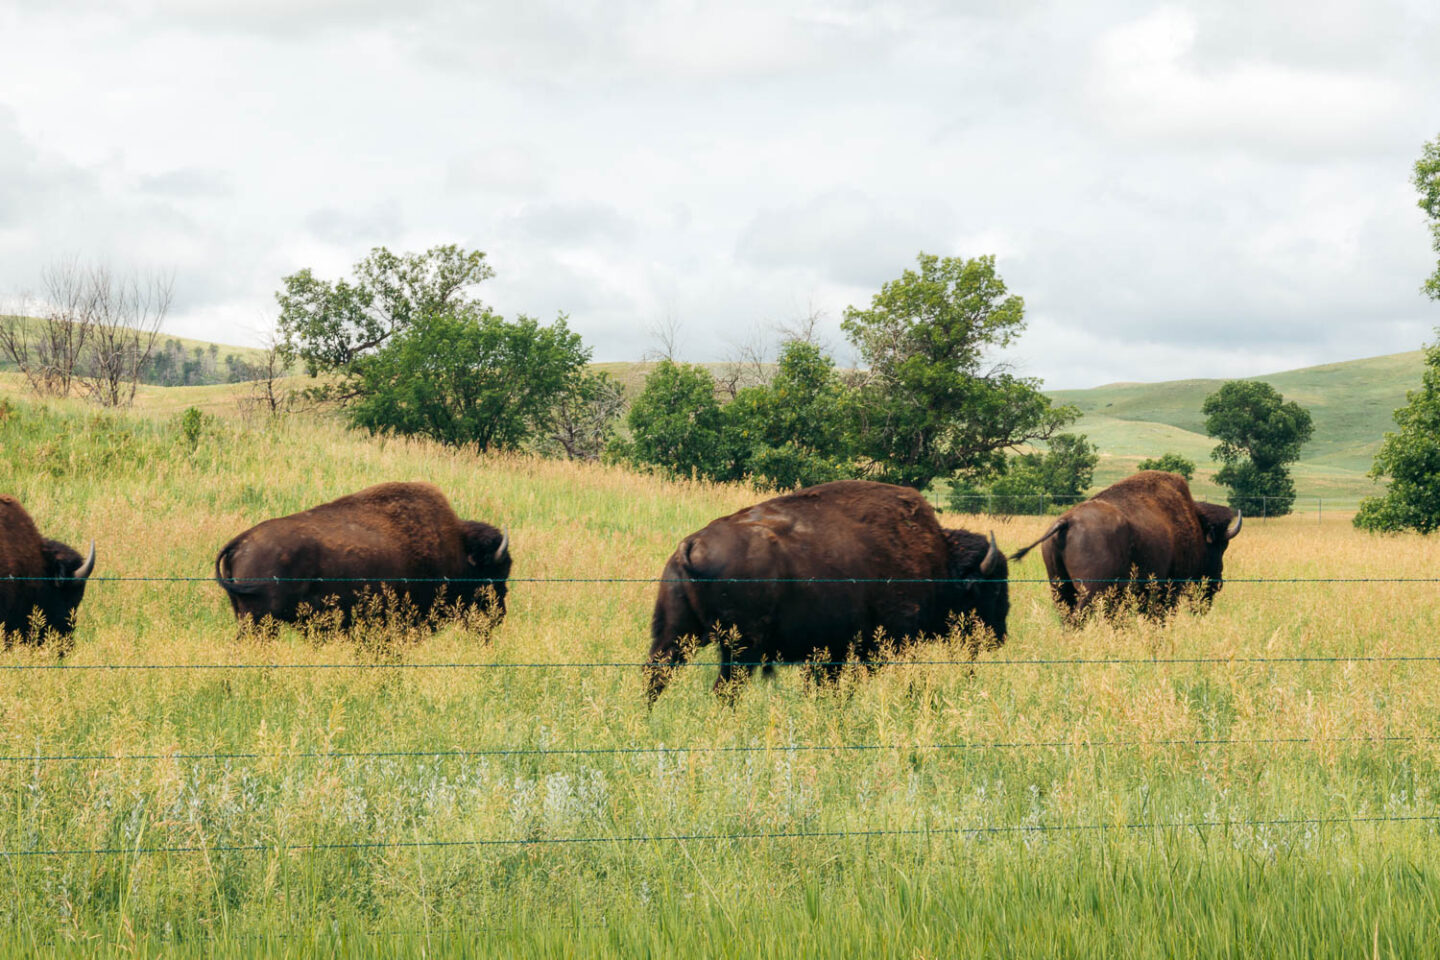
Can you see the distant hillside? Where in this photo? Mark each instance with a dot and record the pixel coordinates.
(182, 362)
(1352, 405)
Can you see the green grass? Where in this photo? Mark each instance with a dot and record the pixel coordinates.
(508, 884)
(1351, 404)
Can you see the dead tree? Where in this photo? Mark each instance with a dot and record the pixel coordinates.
(48, 341)
(126, 317)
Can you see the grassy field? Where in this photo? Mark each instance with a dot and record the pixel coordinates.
(1351, 403)
(1138, 790)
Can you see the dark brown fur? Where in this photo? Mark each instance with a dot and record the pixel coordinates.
(45, 571)
(337, 553)
(1146, 526)
(847, 530)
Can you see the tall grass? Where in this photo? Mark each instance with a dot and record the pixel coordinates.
(1051, 809)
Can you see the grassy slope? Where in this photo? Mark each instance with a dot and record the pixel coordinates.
(159, 507)
(252, 354)
(1351, 404)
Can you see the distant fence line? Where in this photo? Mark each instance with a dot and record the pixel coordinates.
(637, 664)
(385, 581)
(1040, 504)
(662, 749)
(721, 836)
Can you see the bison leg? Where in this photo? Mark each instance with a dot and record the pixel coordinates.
(737, 663)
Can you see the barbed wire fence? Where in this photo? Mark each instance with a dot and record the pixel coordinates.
(1199, 825)
(1044, 504)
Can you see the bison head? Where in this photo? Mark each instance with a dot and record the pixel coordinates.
(487, 551)
(982, 589)
(1220, 525)
(60, 595)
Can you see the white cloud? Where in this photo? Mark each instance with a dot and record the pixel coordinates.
(1173, 188)
(1149, 86)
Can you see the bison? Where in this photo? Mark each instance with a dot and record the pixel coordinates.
(821, 572)
(37, 576)
(394, 536)
(1143, 538)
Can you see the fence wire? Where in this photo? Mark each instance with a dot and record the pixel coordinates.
(493, 581)
(747, 664)
(759, 835)
(663, 750)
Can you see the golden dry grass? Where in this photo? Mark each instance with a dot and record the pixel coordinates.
(1076, 745)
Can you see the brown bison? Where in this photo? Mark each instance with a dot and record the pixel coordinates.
(37, 576)
(397, 536)
(1143, 538)
(821, 571)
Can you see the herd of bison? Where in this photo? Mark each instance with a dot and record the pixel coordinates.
(828, 572)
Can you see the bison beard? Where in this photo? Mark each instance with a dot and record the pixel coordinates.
(1143, 540)
(49, 577)
(402, 537)
(763, 581)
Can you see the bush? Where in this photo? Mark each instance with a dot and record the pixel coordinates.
(1170, 463)
(468, 379)
(1410, 458)
(676, 425)
(1033, 483)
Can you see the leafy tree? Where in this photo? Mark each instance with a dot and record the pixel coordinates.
(791, 432)
(1410, 457)
(1170, 463)
(467, 378)
(926, 409)
(677, 426)
(1427, 181)
(1259, 433)
(1034, 483)
(330, 327)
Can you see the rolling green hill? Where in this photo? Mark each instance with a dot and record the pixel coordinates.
(1352, 405)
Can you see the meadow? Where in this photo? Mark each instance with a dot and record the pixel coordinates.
(1263, 779)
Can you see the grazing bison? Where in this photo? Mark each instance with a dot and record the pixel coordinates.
(48, 577)
(1143, 538)
(763, 581)
(339, 553)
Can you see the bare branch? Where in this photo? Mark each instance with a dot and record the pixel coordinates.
(665, 334)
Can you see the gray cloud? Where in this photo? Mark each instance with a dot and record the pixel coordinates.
(844, 236)
(187, 182)
(576, 223)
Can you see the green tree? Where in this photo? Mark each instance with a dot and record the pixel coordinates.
(1260, 433)
(1170, 463)
(1034, 483)
(927, 409)
(1427, 181)
(677, 426)
(330, 327)
(1410, 458)
(467, 378)
(791, 432)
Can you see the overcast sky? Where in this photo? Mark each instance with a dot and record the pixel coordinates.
(1211, 189)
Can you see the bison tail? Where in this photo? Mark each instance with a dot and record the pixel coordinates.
(227, 582)
(1056, 529)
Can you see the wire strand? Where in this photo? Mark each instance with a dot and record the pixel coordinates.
(661, 749)
(747, 664)
(482, 842)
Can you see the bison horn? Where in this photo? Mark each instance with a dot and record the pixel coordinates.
(504, 544)
(992, 558)
(84, 570)
(1234, 527)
